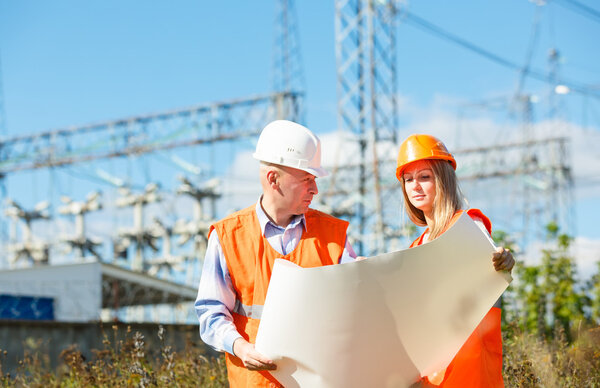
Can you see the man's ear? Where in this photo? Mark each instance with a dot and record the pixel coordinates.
(272, 178)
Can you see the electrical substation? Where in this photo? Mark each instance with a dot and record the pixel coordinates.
(131, 250)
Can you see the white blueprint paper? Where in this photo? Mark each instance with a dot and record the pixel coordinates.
(380, 322)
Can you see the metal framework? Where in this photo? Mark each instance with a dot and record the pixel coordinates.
(206, 124)
(138, 135)
(366, 78)
(122, 287)
(78, 209)
(525, 185)
(288, 73)
(28, 248)
(521, 195)
(2, 111)
(202, 124)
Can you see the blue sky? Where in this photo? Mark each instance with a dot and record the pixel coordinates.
(70, 63)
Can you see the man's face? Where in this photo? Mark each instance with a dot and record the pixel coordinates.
(297, 189)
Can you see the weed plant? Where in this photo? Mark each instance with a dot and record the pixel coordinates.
(120, 363)
(529, 361)
(534, 361)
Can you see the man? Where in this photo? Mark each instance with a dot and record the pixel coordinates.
(243, 246)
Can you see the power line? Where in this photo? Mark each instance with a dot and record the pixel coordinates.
(440, 32)
(581, 9)
(430, 27)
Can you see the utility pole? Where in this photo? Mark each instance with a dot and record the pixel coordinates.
(30, 248)
(79, 241)
(141, 236)
(197, 228)
(167, 259)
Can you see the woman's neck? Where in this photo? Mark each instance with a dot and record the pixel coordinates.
(429, 219)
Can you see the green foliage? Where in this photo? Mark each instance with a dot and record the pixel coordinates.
(532, 299)
(548, 296)
(509, 312)
(594, 287)
(560, 283)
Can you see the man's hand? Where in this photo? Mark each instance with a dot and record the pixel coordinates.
(252, 359)
(503, 260)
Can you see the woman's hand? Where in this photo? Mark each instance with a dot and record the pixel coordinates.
(503, 260)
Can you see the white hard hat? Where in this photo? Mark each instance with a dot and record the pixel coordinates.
(290, 144)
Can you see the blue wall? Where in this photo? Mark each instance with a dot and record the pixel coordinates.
(26, 307)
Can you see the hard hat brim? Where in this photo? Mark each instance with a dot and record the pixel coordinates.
(316, 171)
(400, 169)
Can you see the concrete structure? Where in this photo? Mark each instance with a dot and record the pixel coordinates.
(80, 291)
(49, 338)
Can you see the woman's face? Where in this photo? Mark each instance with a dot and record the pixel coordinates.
(419, 184)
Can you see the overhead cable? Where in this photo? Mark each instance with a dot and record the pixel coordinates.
(430, 27)
(438, 31)
(581, 9)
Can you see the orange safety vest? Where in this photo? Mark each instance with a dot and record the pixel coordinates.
(478, 363)
(250, 260)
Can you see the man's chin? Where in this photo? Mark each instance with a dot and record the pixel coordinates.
(303, 209)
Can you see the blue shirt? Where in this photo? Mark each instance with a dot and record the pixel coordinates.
(216, 296)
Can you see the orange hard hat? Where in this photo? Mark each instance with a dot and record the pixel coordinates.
(419, 147)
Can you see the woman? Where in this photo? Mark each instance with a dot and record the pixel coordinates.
(432, 198)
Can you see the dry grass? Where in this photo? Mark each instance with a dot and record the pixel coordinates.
(528, 362)
(125, 363)
(535, 362)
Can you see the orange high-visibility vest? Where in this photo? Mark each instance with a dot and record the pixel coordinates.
(250, 260)
(478, 363)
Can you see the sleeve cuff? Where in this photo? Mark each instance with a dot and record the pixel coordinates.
(229, 340)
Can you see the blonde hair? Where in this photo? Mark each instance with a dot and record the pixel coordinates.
(447, 201)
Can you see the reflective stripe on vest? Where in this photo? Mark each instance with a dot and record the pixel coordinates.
(254, 311)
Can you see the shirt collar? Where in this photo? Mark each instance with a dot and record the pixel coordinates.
(264, 220)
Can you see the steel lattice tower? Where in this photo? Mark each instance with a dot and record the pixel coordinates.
(288, 73)
(3, 132)
(366, 79)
